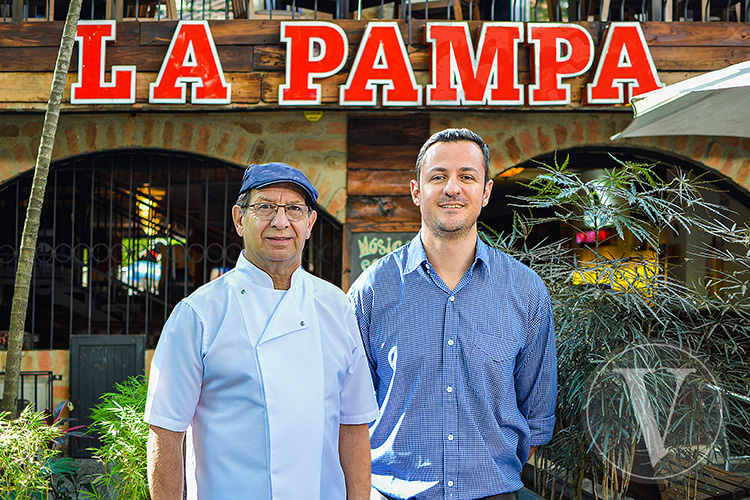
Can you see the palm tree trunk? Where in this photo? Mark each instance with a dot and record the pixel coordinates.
(34, 212)
(17, 11)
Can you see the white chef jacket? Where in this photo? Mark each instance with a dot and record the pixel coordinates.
(261, 379)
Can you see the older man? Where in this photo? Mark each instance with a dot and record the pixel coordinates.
(263, 368)
(460, 341)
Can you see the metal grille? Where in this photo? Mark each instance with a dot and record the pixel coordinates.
(124, 236)
(35, 389)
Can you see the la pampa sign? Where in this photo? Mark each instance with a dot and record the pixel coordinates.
(462, 73)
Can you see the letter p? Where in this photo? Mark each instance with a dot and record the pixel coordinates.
(314, 49)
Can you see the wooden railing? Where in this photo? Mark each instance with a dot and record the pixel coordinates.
(461, 10)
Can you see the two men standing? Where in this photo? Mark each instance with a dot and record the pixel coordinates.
(264, 366)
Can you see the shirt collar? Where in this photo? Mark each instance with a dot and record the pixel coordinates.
(416, 254)
(258, 276)
(482, 253)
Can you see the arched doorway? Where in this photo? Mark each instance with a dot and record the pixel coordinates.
(677, 247)
(124, 236)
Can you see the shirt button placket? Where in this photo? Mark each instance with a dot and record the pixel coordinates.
(450, 465)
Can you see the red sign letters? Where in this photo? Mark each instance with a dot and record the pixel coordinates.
(92, 37)
(462, 73)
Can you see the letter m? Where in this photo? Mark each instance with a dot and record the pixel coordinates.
(461, 76)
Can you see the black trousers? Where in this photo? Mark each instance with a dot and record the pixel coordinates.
(503, 496)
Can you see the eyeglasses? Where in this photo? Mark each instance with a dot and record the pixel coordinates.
(267, 211)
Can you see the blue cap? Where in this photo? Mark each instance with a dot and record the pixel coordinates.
(258, 176)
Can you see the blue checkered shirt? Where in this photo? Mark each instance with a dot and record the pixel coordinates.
(466, 380)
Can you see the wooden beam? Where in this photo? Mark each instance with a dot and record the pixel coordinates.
(381, 209)
(379, 182)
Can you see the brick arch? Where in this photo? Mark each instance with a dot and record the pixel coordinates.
(318, 149)
(516, 137)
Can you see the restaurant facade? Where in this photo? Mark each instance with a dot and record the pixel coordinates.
(163, 110)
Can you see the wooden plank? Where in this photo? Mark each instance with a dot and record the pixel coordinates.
(259, 32)
(698, 58)
(253, 32)
(273, 58)
(145, 58)
(34, 87)
(245, 88)
(395, 157)
(381, 209)
(48, 34)
(31, 59)
(725, 480)
(233, 59)
(329, 87)
(696, 34)
(29, 35)
(249, 87)
(393, 129)
(30, 87)
(383, 227)
(379, 182)
(269, 58)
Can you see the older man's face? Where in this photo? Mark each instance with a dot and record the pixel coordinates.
(275, 243)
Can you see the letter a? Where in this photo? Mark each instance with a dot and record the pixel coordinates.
(625, 59)
(92, 37)
(460, 76)
(381, 58)
(191, 58)
(303, 64)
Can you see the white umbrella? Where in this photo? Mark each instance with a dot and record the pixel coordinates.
(715, 103)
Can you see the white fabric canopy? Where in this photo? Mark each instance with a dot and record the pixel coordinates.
(715, 103)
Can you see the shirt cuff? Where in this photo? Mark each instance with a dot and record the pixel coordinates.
(362, 418)
(165, 423)
(541, 430)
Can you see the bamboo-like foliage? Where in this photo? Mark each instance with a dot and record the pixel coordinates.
(34, 211)
(608, 303)
(118, 419)
(25, 452)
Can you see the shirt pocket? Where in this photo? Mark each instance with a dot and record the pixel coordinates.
(497, 347)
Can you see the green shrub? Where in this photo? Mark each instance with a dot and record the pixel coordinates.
(30, 458)
(24, 453)
(118, 420)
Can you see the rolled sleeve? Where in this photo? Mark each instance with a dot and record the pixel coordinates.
(541, 430)
(536, 377)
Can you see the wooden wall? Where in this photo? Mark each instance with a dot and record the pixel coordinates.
(253, 59)
(381, 155)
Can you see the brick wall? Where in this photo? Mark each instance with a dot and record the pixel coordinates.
(318, 148)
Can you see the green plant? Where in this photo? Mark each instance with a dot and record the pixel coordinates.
(24, 453)
(607, 300)
(31, 465)
(118, 419)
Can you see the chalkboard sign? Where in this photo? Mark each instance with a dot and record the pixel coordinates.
(367, 248)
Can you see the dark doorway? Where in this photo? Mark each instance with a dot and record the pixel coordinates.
(97, 363)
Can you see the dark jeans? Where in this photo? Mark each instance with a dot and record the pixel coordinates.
(503, 496)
